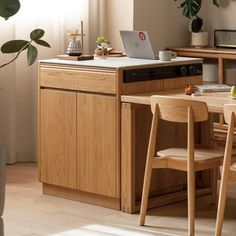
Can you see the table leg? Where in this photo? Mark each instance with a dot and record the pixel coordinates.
(127, 161)
(221, 81)
(220, 70)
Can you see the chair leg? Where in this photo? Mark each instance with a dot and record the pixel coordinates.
(145, 194)
(214, 179)
(222, 203)
(191, 203)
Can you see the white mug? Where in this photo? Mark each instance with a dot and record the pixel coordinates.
(167, 55)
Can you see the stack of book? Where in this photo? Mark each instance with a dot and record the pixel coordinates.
(208, 88)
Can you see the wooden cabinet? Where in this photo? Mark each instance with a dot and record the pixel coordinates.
(58, 138)
(79, 128)
(97, 161)
(78, 135)
(80, 131)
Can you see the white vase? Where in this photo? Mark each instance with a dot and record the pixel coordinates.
(2, 178)
(200, 39)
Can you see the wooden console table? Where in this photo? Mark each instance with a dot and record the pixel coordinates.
(220, 54)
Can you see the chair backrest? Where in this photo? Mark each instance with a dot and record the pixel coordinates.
(229, 109)
(176, 109)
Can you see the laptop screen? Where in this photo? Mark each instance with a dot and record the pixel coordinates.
(137, 44)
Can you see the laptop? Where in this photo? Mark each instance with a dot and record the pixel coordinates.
(137, 44)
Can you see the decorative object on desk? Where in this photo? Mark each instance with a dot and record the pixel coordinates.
(76, 42)
(190, 89)
(225, 38)
(167, 55)
(233, 91)
(191, 9)
(75, 58)
(109, 52)
(199, 39)
(209, 88)
(103, 44)
(74, 47)
(209, 72)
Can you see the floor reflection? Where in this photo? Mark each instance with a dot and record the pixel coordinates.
(1, 227)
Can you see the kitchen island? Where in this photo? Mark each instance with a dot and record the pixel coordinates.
(79, 127)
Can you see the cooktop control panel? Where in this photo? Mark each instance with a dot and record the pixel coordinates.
(163, 72)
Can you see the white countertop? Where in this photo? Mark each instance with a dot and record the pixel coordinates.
(120, 62)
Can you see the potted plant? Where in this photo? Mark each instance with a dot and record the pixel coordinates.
(102, 44)
(7, 9)
(191, 9)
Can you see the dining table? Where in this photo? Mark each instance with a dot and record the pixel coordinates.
(168, 186)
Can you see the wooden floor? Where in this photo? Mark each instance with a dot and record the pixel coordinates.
(29, 213)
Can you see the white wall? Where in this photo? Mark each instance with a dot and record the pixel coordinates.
(218, 18)
(163, 21)
(161, 18)
(119, 15)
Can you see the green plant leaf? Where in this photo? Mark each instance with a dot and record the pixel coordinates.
(196, 24)
(32, 54)
(191, 7)
(42, 43)
(9, 8)
(36, 34)
(216, 3)
(14, 46)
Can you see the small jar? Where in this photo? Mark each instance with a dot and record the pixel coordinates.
(74, 48)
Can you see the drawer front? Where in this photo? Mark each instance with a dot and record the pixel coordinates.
(91, 81)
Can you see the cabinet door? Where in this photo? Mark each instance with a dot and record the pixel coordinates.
(97, 161)
(58, 138)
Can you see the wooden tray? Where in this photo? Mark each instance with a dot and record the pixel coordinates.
(75, 58)
(112, 55)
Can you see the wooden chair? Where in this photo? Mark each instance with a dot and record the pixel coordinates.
(228, 170)
(188, 159)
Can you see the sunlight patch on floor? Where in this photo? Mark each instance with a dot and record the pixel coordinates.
(102, 230)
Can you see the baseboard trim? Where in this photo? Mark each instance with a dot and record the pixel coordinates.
(81, 196)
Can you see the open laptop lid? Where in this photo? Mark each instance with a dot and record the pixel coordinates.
(137, 44)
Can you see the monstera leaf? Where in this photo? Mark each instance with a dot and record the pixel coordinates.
(9, 8)
(216, 2)
(190, 10)
(192, 7)
(196, 24)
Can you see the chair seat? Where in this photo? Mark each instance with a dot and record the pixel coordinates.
(201, 154)
(233, 167)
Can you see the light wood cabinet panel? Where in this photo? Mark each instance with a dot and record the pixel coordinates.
(58, 138)
(93, 81)
(97, 161)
